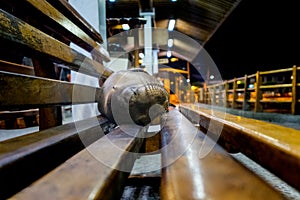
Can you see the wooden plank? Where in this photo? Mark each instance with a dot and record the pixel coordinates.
(275, 86)
(48, 10)
(50, 116)
(6, 115)
(16, 68)
(246, 93)
(276, 71)
(22, 91)
(215, 176)
(275, 147)
(26, 158)
(67, 10)
(257, 106)
(17, 31)
(295, 92)
(275, 100)
(94, 173)
(71, 30)
(234, 94)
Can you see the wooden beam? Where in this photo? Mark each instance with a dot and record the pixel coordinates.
(77, 35)
(26, 158)
(67, 10)
(50, 116)
(246, 94)
(22, 91)
(17, 31)
(11, 115)
(234, 94)
(16, 68)
(274, 147)
(257, 105)
(215, 176)
(295, 92)
(86, 175)
(173, 70)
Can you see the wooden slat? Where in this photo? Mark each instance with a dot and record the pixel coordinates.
(246, 93)
(22, 91)
(8, 115)
(234, 94)
(258, 96)
(275, 147)
(295, 92)
(215, 176)
(17, 31)
(85, 176)
(275, 86)
(251, 76)
(67, 10)
(78, 36)
(26, 158)
(50, 116)
(276, 71)
(275, 101)
(16, 68)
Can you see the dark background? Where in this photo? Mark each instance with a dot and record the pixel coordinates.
(258, 35)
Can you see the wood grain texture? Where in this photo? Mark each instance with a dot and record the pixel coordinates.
(214, 176)
(275, 147)
(67, 10)
(85, 176)
(22, 91)
(26, 158)
(71, 30)
(17, 31)
(16, 68)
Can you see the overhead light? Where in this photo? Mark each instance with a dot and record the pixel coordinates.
(171, 25)
(112, 0)
(169, 54)
(170, 42)
(173, 0)
(125, 27)
(251, 85)
(174, 59)
(141, 55)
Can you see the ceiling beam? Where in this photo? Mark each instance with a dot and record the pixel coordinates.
(146, 5)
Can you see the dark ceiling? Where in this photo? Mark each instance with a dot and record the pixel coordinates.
(196, 18)
(242, 37)
(258, 35)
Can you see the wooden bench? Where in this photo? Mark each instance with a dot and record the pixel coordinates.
(42, 31)
(97, 172)
(45, 37)
(190, 173)
(275, 147)
(79, 160)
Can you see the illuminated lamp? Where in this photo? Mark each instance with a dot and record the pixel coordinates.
(171, 24)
